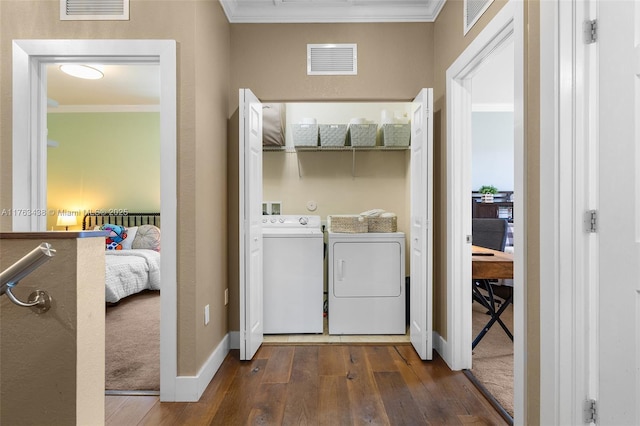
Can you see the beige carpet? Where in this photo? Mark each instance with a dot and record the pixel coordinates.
(133, 343)
(493, 357)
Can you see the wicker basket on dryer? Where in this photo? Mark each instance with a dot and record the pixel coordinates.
(350, 224)
(383, 224)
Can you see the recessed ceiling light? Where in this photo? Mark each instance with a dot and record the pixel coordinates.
(82, 71)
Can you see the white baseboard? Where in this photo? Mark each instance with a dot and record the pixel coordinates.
(191, 388)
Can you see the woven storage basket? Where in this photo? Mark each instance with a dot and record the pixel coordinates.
(363, 134)
(383, 224)
(333, 134)
(350, 224)
(305, 134)
(396, 134)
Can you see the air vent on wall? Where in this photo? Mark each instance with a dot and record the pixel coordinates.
(332, 59)
(94, 10)
(473, 10)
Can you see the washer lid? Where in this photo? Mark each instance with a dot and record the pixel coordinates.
(292, 233)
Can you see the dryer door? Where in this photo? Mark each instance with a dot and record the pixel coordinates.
(367, 269)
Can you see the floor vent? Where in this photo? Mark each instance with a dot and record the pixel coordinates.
(94, 10)
(473, 10)
(332, 59)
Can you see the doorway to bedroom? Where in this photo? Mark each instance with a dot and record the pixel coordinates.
(103, 168)
(30, 59)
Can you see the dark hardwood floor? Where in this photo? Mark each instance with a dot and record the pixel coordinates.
(330, 384)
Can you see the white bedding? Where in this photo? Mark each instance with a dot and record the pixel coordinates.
(131, 271)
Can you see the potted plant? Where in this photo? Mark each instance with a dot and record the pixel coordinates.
(488, 191)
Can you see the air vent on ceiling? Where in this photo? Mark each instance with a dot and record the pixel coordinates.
(94, 10)
(473, 10)
(332, 59)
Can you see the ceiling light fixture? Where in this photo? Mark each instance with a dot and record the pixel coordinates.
(82, 71)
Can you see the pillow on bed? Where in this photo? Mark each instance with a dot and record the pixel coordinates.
(147, 237)
(131, 235)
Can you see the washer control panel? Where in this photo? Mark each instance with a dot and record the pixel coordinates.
(290, 221)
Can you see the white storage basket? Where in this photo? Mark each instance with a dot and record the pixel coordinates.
(333, 134)
(396, 134)
(305, 134)
(363, 134)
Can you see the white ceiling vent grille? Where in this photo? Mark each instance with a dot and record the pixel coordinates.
(332, 59)
(94, 10)
(473, 10)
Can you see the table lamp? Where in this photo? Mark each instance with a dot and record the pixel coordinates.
(66, 220)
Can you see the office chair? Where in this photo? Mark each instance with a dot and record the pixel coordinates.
(492, 234)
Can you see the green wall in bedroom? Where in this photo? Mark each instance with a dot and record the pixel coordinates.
(107, 160)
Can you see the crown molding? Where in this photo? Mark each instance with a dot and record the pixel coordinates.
(331, 11)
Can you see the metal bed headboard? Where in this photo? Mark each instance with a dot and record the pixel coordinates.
(126, 219)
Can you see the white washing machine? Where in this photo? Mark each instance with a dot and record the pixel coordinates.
(366, 279)
(293, 274)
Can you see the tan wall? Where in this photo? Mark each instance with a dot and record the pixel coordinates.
(202, 34)
(337, 186)
(52, 364)
(212, 86)
(394, 62)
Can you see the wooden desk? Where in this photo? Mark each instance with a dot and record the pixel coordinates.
(486, 265)
(490, 264)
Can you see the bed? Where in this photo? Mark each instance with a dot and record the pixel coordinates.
(132, 253)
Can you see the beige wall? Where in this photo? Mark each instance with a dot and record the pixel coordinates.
(337, 186)
(394, 62)
(202, 34)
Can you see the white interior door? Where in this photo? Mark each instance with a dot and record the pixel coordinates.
(421, 245)
(251, 279)
(618, 380)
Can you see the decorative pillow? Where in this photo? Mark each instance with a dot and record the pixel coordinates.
(147, 237)
(117, 234)
(273, 124)
(131, 235)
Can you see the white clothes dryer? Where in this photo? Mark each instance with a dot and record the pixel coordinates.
(366, 280)
(293, 274)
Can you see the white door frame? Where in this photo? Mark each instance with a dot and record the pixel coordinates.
(568, 174)
(30, 58)
(506, 26)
